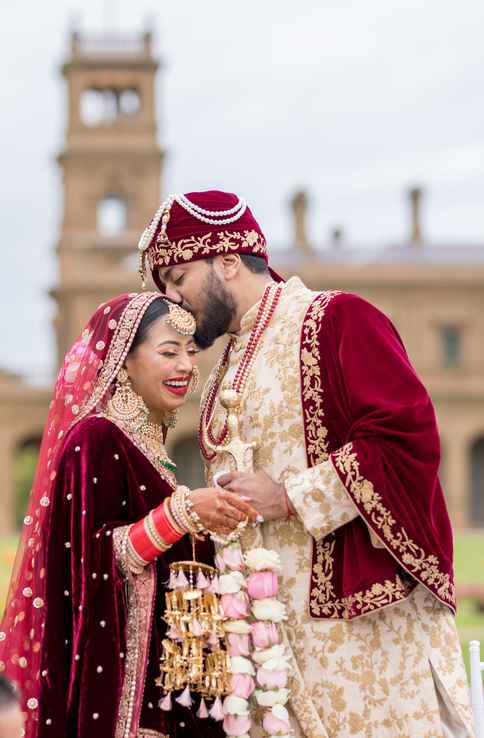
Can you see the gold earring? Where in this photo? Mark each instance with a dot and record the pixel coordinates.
(194, 381)
(125, 404)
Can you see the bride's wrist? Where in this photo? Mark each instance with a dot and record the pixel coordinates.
(181, 507)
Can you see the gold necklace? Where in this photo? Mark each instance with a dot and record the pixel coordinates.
(146, 435)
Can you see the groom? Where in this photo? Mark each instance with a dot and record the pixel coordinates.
(346, 460)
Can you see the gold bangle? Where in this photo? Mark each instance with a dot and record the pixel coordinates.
(178, 510)
(171, 519)
(180, 494)
(155, 538)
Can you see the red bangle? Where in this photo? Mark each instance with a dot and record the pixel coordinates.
(141, 542)
(163, 525)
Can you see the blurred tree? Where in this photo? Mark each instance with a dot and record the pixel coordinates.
(24, 470)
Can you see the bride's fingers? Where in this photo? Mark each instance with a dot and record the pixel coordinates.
(242, 505)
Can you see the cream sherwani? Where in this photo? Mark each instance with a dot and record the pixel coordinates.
(395, 672)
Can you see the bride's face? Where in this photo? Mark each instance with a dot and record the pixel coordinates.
(160, 368)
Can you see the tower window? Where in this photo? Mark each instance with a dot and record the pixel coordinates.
(111, 215)
(451, 346)
(108, 105)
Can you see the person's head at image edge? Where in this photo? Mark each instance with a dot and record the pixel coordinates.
(11, 718)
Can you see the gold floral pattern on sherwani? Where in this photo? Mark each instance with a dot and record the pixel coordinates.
(369, 677)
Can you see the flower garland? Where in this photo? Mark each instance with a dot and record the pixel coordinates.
(248, 586)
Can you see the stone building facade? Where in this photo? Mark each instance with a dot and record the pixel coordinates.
(112, 165)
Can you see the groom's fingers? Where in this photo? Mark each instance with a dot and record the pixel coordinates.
(241, 505)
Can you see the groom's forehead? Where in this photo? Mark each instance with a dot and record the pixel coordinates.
(170, 272)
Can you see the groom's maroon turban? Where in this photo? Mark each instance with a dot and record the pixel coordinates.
(199, 225)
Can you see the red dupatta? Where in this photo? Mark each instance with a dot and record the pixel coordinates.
(82, 388)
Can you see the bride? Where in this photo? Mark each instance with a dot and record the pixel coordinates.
(82, 630)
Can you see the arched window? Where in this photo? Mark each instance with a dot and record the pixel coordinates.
(105, 106)
(186, 455)
(111, 215)
(477, 483)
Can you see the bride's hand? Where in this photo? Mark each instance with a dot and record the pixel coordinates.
(220, 510)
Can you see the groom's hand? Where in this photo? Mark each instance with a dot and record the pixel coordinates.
(267, 496)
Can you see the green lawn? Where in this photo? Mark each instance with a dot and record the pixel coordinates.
(469, 567)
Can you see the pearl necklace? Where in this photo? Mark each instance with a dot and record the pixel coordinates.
(212, 217)
(266, 310)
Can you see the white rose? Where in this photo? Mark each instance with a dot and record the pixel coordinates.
(269, 653)
(269, 609)
(237, 626)
(231, 583)
(280, 712)
(277, 664)
(271, 697)
(259, 559)
(234, 705)
(241, 665)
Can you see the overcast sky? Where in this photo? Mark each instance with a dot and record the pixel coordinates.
(353, 101)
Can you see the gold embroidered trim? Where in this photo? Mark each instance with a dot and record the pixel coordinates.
(147, 733)
(413, 557)
(141, 591)
(155, 460)
(322, 598)
(165, 253)
(312, 388)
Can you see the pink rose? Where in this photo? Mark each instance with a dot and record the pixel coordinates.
(273, 725)
(262, 584)
(232, 558)
(271, 679)
(242, 685)
(234, 605)
(264, 634)
(238, 644)
(236, 724)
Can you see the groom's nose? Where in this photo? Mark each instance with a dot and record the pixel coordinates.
(172, 293)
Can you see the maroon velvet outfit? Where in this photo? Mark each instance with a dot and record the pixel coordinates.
(367, 413)
(81, 634)
(103, 482)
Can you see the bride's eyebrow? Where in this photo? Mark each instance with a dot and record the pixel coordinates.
(174, 343)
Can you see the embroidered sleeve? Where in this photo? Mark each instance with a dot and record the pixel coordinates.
(127, 561)
(320, 499)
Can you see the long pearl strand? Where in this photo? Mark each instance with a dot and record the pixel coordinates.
(267, 307)
(212, 217)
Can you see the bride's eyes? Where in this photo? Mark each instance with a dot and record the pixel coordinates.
(168, 354)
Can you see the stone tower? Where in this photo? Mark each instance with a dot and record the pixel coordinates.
(111, 165)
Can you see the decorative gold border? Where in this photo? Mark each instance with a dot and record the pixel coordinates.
(141, 594)
(167, 253)
(411, 556)
(322, 600)
(163, 472)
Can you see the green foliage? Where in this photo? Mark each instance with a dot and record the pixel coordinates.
(24, 470)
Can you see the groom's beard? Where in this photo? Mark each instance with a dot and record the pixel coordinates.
(218, 312)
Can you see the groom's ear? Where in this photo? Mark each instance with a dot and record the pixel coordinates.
(229, 266)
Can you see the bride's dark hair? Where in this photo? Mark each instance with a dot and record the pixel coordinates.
(157, 309)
